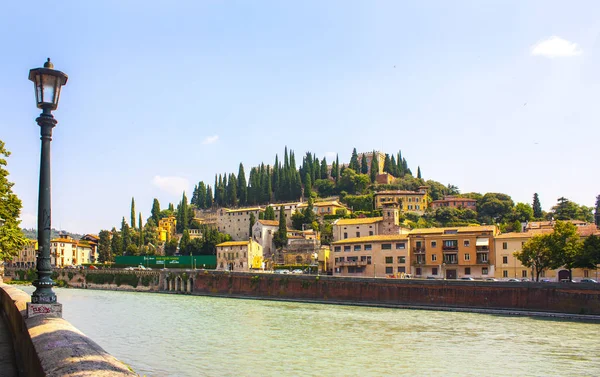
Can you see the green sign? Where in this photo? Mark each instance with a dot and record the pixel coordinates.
(159, 261)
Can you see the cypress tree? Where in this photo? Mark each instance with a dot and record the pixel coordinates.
(194, 199)
(132, 213)
(337, 169)
(171, 207)
(201, 196)
(364, 166)
(307, 186)
(104, 252)
(316, 170)
(280, 237)
(155, 211)
(209, 198)
(537, 206)
(242, 185)
(418, 172)
(232, 190)
(276, 184)
(324, 174)
(125, 235)
(252, 222)
(116, 243)
(387, 164)
(374, 168)
(354, 164)
(141, 230)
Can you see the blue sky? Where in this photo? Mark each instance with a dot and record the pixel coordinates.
(491, 96)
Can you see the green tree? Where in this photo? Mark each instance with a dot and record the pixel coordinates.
(418, 172)
(564, 246)
(535, 254)
(326, 233)
(252, 222)
(132, 213)
(522, 212)
(309, 212)
(242, 190)
(297, 220)
(374, 168)
(364, 165)
(354, 164)
(125, 235)
(324, 187)
(269, 213)
(537, 207)
(568, 210)
(184, 241)
(494, 207)
(104, 252)
(324, 174)
(590, 253)
(201, 196)
(280, 236)
(597, 214)
(141, 231)
(151, 234)
(12, 239)
(155, 211)
(307, 186)
(182, 215)
(116, 243)
(171, 247)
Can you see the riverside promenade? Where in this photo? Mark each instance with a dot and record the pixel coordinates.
(8, 364)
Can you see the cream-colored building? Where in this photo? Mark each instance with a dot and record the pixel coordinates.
(288, 210)
(372, 256)
(409, 201)
(325, 207)
(389, 223)
(27, 256)
(262, 232)
(236, 222)
(63, 251)
(241, 256)
(509, 267)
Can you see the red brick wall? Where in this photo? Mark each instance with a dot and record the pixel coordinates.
(565, 298)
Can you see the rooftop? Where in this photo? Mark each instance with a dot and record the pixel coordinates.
(387, 237)
(460, 229)
(233, 243)
(358, 221)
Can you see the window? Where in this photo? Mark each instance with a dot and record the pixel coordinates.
(433, 257)
(400, 246)
(433, 244)
(342, 259)
(467, 270)
(467, 257)
(368, 247)
(484, 271)
(418, 271)
(347, 248)
(386, 246)
(357, 247)
(363, 258)
(370, 232)
(389, 260)
(389, 270)
(505, 245)
(434, 271)
(586, 274)
(357, 234)
(467, 243)
(524, 273)
(401, 269)
(401, 259)
(345, 235)
(368, 259)
(337, 248)
(505, 259)
(505, 274)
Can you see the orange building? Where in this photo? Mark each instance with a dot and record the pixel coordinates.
(453, 253)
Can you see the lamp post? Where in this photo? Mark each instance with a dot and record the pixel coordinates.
(47, 83)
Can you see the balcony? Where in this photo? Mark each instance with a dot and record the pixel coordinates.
(483, 249)
(481, 261)
(450, 248)
(352, 263)
(451, 262)
(419, 250)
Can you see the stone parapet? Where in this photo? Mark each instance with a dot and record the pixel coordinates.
(51, 346)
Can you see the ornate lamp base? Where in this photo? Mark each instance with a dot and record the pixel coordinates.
(54, 310)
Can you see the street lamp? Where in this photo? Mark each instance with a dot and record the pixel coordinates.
(47, 83)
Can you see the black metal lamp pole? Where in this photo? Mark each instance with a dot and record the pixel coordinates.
(48, 83)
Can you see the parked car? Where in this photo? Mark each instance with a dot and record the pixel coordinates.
(285, 272)
(588, 281)
(514, 280)
(467, 278)
(491, 279)
(297, 271)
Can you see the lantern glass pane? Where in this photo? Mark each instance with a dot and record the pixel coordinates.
(49, 84)
(38, 88)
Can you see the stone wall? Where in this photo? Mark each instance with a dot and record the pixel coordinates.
(51, 346)
(570, 298)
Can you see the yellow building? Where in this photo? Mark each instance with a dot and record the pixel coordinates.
(166, 228)
(241, 256)
(372, 256)
(356, 228)
(27, 255)
(325, 207)
(63, 251)
(369, 156)
(409, 201)
(453, 252)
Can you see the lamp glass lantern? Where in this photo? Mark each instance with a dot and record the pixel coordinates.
(47, 82)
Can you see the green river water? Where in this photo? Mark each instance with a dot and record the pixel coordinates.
(175, 335)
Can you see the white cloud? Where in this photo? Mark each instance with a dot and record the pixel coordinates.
(211, 139)
(172, 185)
(555, 47)
(28, 220)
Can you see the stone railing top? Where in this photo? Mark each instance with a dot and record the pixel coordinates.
(62, 349)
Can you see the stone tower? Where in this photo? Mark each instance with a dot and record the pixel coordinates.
(391, 219)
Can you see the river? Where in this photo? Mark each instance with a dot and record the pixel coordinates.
(175, 335)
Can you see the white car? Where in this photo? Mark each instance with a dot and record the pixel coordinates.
(297, 271)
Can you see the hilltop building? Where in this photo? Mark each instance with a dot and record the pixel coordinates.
(27, 256)
(241, 256)
(166, 228)
(454, 202)
(236, 222)
(408, 201)
(388, 224)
